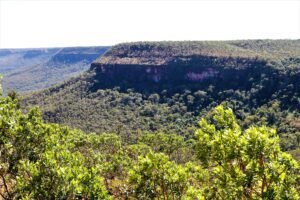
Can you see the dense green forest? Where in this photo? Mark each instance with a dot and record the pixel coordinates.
(169, 86)
(219, 160)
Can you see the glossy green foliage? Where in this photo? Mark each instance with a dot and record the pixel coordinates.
(44, 161)
(175, 146)
(156, 177)
(247, 164)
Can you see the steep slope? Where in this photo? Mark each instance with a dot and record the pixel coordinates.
(166, 86)
(33, 69)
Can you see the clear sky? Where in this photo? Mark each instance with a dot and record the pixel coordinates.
(53, 23)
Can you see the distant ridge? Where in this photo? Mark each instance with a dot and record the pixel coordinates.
(32, 69)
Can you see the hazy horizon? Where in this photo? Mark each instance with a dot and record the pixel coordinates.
(50, 24)
(86, 46)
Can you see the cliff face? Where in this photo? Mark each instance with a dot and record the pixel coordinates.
(194, 63)
(237, 65)
(194, 69)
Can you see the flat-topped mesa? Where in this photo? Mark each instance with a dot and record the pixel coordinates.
(188, 61)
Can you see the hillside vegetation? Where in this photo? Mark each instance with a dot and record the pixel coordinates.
(167, 86)
(219, 161)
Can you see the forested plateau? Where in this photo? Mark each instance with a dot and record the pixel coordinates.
(168, 86)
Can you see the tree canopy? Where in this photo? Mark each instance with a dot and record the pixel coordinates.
(39, 160)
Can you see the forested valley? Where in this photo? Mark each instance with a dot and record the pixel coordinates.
(220, 160)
